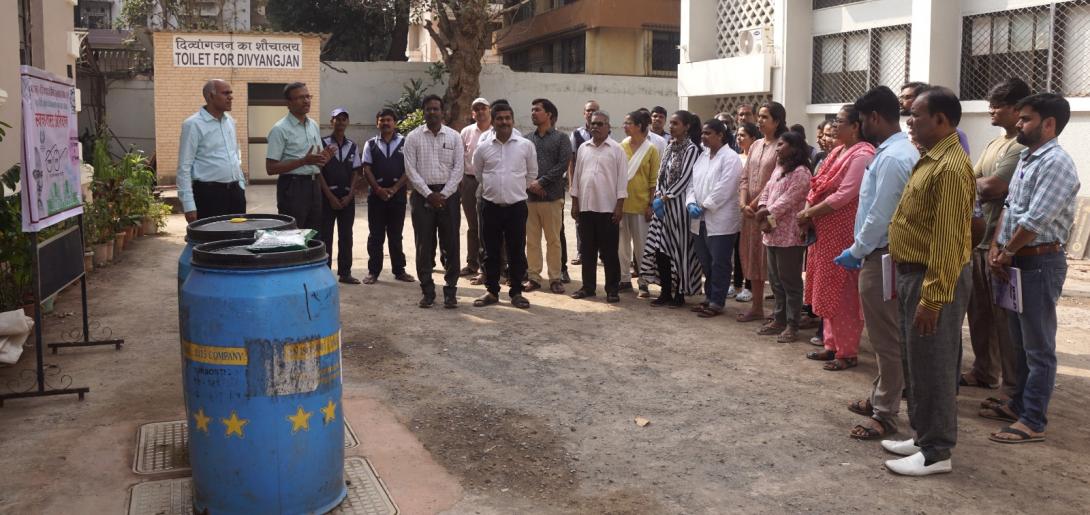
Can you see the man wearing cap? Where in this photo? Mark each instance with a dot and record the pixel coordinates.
(338, 182)
(468, 188)
(296, 155)
(384, 166)
(210, 180)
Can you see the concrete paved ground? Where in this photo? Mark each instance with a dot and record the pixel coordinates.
(498, 410)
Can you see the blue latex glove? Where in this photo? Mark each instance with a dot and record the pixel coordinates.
(847, 260)
(659, 207)
(694, 210)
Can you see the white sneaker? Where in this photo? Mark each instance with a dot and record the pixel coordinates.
(901, 447)
(731, 292)
(744, 296)
(914, 466)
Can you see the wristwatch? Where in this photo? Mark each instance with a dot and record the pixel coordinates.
(1006, 252)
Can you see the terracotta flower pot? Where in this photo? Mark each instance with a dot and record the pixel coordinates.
(88, 261)
(150, 227)
(119, 244)
(102, 254)
(139, 228)
(110, 250)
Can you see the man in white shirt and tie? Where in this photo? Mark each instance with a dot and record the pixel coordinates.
(506, 165)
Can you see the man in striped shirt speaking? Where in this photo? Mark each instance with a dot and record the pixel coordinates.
(930, 243)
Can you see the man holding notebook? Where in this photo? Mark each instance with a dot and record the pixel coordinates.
(1034, 228)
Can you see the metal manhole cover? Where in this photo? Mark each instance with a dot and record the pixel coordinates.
(366, 494)
(164, 447)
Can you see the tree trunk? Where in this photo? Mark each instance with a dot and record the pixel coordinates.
(463, 85)
(399, 37)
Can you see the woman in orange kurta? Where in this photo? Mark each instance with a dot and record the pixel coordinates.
(833, 291)
(772, 122)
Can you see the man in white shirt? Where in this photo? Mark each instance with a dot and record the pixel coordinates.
(506, 165)
(599, 187)
(470, 135)
(434, 160)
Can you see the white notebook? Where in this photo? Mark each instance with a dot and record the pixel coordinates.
(1008, 294)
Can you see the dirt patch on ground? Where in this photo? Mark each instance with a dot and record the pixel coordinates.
(373, 357)
(497, 449)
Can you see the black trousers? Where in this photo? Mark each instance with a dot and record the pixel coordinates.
(385, 220)
(341, 218)
(218, 198)
(504, 227)
(430, 225)
(300, 197)
(599, 236)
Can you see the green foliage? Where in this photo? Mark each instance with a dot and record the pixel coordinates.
(123, 191)
(411, 121)
(16, 265)
(371, 30)
(415, 91)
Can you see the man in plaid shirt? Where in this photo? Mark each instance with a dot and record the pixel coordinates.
(1034, 227)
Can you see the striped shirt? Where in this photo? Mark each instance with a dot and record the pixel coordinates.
(931, 224)
(1042, 196)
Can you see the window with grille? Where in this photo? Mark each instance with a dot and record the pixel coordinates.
(24, 32)
(664, 52)
(518, 60)
(821, 4)
(848, 64)
(566, 55)
(1049, 49)
(735, 16)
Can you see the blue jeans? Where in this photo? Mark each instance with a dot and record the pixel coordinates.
(1033, 333)
(715, 253)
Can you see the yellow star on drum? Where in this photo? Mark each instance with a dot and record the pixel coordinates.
(234, 424)
(202, 420)
(329, 412)
(300, 420)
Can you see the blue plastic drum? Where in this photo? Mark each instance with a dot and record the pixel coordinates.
(262, 377)
(226, 227)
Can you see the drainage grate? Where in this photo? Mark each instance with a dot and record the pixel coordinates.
(164, 447)
(366, 494)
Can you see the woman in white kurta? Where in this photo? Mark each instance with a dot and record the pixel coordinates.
(715, 218)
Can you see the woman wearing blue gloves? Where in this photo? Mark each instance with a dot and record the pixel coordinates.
(669, 259)
(715, 219)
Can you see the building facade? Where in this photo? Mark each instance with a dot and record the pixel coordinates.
(603, 37)
(38, 33)
(257, 72)
(816, 55)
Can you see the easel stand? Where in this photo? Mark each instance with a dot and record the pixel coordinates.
(62, 257)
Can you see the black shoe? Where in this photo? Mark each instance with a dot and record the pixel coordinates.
(405, 278)
(426, 301)
(582, 294)
(625, 286)
(450, 301)
(661, 300)
(348, 279)
(677, 302)
(564, 277)
(613, 298)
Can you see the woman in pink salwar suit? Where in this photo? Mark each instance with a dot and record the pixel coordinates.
(833, 291)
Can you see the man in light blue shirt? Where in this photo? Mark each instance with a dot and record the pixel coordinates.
(296, 155)
(209, 175)
(879, 193)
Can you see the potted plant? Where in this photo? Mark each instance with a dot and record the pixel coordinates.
(16, 263)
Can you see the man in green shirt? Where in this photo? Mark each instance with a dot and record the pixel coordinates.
(296, 155)
(992, 348)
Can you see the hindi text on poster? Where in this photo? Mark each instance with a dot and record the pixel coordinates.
(50, 168)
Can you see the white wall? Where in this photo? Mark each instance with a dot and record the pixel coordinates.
(367, 87)
(130, 108)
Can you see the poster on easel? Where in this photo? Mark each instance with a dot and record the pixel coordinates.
(50, 168)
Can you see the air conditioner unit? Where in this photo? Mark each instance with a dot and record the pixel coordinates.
(756, 40)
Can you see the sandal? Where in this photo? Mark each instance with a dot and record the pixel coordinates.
(992, 402)
(699, 307)
(771, 328)
(709, 313)
(997, 413)
(520, 302)
(963, 380)
(749, 317)
(788, 335)
(485, 300)
(556, 287)
(861, 432)
(821, 355)
(862, 407)
(1023, 437)
(839, 364)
